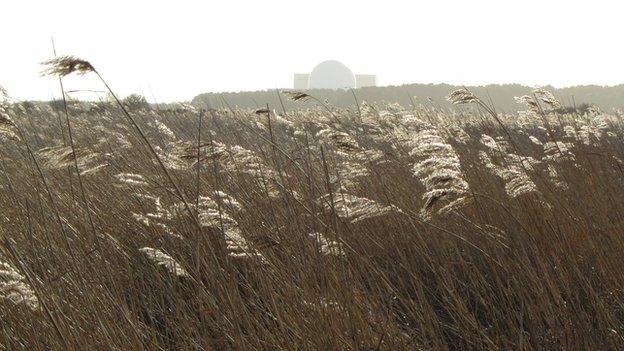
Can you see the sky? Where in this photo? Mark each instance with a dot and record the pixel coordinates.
(173, 50)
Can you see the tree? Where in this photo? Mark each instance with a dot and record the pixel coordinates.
(135, 102)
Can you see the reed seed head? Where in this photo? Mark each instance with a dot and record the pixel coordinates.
(65, 65)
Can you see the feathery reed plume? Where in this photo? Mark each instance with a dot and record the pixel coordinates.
(535, 140)
(327, 246)
(211, 215)
(558, 151)
(131, 179)
(368, 156)
(517, 181)
(172, 155)
(7, 126)
(347, 146)
(228, 200)
(462, 96)
(340, 140)
(162, 259)
(112, 138)
(157, 218)
(529, 102)
(529, 120)
(592, 129)
(141, 219)
(163, 129)
(296, 95)
(235, 159)
(348, 172)
(385, 127)
(160, 212)
(593, 109)
(65, 65)
(494, 145)
(215, 151)
(501, 147)
(15, 288)
(187, 107)
(351, 158)
(590, 135)
(282, 121)
(355, 208)
(438, 169)
(246, 161)
(59, 157)
(570, 132)
(547, 97)
(459, 134)
(368, 113)
(93, 170)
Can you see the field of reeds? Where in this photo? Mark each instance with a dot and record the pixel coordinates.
(372, 228)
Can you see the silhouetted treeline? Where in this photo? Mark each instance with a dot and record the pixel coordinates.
(502, 96)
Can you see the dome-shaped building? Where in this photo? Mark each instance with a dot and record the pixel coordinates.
(331, 75)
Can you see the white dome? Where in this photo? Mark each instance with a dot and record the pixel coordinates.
(331, 75)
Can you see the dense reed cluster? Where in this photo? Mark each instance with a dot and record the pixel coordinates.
(373, 228)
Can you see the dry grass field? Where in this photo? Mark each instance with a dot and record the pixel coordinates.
(374, 228)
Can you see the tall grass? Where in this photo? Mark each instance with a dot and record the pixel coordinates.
(380, 228)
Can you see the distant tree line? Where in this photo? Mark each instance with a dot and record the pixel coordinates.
(578, 98)
(501, 96)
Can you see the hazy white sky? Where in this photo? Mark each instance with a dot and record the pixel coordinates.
(174, 50)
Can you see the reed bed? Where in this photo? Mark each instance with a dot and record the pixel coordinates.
(376, 228)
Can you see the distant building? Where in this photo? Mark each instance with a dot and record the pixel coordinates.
(332, 75)
(365, 80)
(301, 81)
